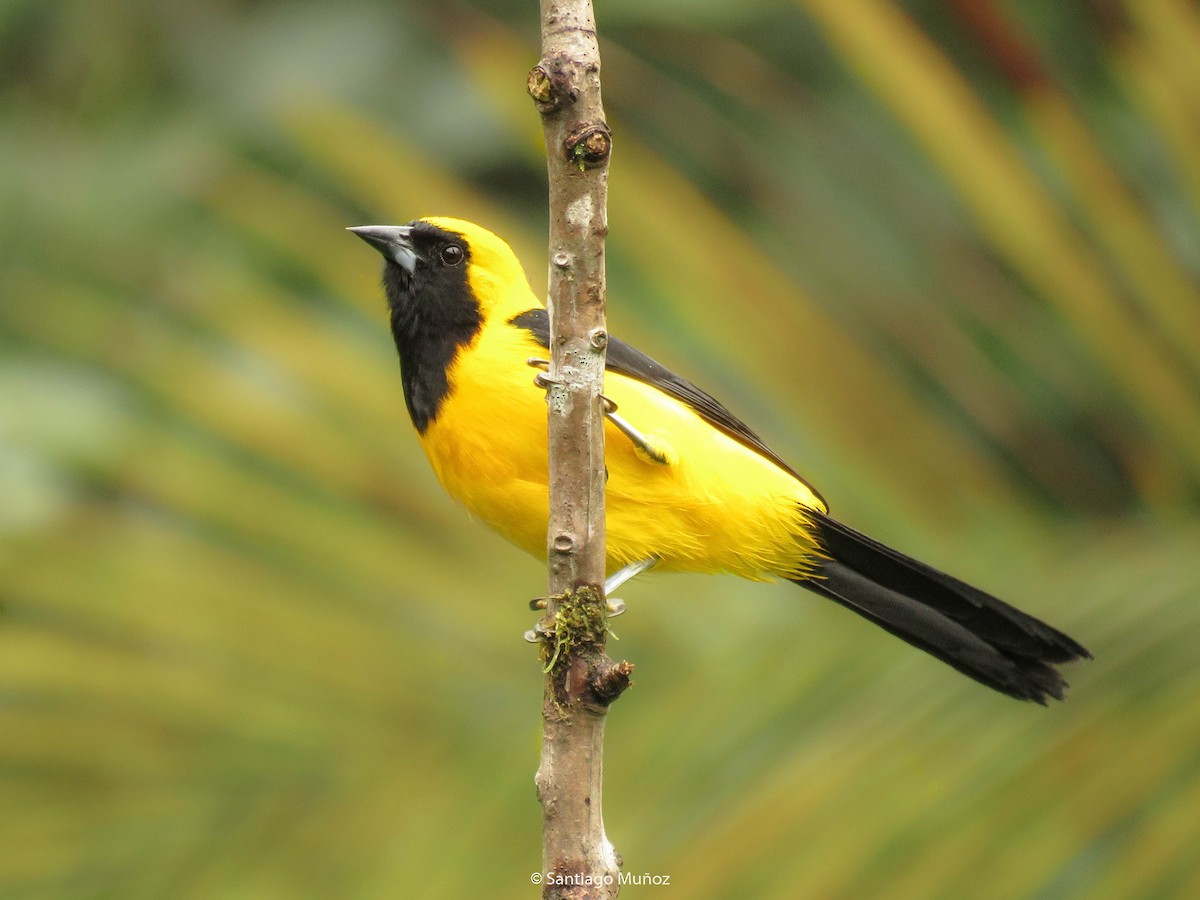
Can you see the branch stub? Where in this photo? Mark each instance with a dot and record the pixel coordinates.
(549, 87)
(589, 145)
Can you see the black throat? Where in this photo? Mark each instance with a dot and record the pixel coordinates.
(433, 314)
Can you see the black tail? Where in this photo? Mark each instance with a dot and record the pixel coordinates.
(982, 637)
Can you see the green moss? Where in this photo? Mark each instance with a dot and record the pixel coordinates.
(579, 156)
(580, 620)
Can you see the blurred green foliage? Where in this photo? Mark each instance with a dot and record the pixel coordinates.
(943, 255)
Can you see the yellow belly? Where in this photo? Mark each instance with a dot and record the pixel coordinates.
(720, 507)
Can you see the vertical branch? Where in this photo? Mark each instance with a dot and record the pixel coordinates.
(577, 861)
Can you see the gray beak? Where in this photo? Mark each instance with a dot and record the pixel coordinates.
(393, 241)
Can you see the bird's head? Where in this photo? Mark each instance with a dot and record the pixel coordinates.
(447, 269)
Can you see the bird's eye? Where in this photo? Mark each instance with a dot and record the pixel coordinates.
(451, 255)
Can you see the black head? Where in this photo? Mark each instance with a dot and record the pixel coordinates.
(433, 308)
(425, 276)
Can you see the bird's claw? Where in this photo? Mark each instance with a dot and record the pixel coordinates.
(659, 456)
(614, 606)
(542, 379)
(538, 631)
(543, 626)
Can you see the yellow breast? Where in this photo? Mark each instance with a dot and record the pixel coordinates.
(719, 506)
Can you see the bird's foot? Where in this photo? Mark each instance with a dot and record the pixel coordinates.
(615, 606)
(542, 379)
(623, 574)
(659, 455)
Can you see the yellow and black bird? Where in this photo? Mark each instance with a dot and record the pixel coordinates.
(690, 488)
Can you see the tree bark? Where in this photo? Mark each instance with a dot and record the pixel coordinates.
(578, 860)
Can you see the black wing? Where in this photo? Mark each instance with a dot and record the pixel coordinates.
(627, 360)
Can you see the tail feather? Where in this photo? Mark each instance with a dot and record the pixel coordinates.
(977, 634)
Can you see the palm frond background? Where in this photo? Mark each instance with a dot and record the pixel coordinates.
(942, 255)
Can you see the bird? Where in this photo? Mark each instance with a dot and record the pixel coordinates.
(690, 487)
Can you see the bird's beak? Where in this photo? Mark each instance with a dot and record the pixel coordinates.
(393, 241)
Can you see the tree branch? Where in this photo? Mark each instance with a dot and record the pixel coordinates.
(581, 681)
